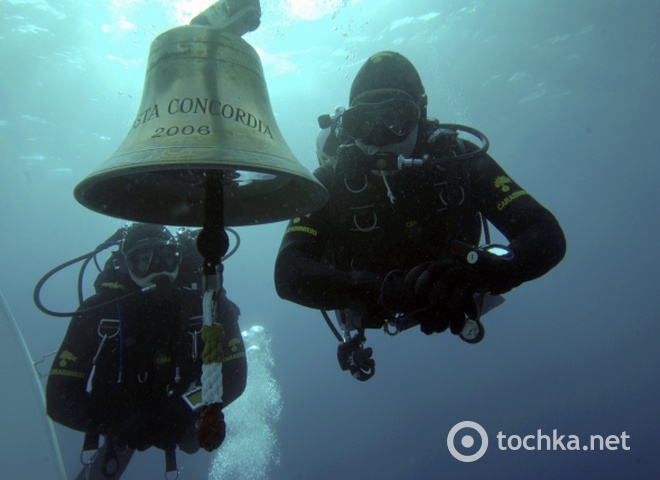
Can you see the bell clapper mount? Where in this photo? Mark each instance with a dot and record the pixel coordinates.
(231, 16)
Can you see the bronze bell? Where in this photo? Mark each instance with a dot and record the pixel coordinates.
(205, 109)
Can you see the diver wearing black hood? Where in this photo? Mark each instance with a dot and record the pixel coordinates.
(408, 198)
(129, 368)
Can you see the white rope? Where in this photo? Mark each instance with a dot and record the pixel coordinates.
(211, 383)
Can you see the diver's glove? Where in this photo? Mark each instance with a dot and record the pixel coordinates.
(211, 427)
(449, 286)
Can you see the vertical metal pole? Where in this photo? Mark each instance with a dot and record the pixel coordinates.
(213, 242)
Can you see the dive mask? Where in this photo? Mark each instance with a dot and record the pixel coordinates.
(381, 117)
(153, 256)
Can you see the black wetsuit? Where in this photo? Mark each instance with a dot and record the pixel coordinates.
(151, 356)
(376, 225)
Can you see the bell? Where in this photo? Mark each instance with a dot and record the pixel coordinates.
(205, 110)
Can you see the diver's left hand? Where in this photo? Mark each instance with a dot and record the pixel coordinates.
(437, 281)
(447, 286)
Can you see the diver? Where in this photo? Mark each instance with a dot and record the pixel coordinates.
(397, 244)
(130, 365)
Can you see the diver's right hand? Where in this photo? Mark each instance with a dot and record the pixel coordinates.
(437, 320)
(448, 286)
(211, 427)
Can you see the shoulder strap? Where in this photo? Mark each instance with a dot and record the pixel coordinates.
(445, 146)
